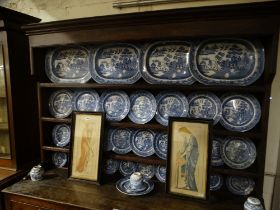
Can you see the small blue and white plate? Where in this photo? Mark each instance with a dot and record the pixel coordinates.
(143, 107)
(161, 173)
(115, 103)
(240, 185)
(60, 103)
(148, 171)
(142, 142)
(238, 152)
(240, 112)
(160, 145)
(205, 105)
(120, 140)
(216, 182)
(216, 159)
(171, 104)
(59, 159)
(61, 135)
(87, 100)
(127, 168)
(111, 166)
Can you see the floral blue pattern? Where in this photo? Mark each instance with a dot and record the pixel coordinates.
(148, 171)
(120, 140)
(240, 185)
(59, 159)
(87, 101)
(61, 134)
(161, 173)
(60, 103)
(216, 182)
(123, 185)
(111, 166)
(127, 168)
(142, 142)
(216, 159)
(160, 145)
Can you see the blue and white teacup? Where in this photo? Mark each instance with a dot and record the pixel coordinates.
(253, 203)
(136, 180)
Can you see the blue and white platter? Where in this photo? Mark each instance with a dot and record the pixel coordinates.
(168, 63)
(61, 135)
(87, 100)
(161, 173)
(111, 166)
(115, 103)
(142, 142)
(68, 65)
(160, 145)
(216, 182)
(120, 140)
(148, 171)
(238, 153)
(227, 61)
(59, 159)
(204, 105)
(127, 168)
(240, 185)
(171, 104)
(216, 159)
(60, 103)
(123, 185)
(117, 63)
(143, 107)
(240, 112)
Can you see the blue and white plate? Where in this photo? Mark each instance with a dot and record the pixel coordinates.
(238, 153)
(142, 142)
(60, 103)
(161, 173)
(160, 145)
(143, 107)
(216, 182)
(111, 166)
(61, 135)
(168, 63)
(148, 171)
(123, 185)
(59, 159)
(240, 112)
(205, 105)
(227, 61)
(117, 63)
(171, 104)
(115, 103)
(240, 185)
(127, 168)
(68, 65)
(120, 140)
(87, 101)
(216, 159)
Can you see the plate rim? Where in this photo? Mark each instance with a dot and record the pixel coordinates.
(116, 149)
(55, 128)
(135, 150)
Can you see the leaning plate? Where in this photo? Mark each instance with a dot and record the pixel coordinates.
(123, 185)
(111, 166)
(228, 61)
(120, 140)
(116, 104)
(160, 145)
(68, 65)
(240, 112)
(59, 159)
(142, 142)
(116, 64)
(87, 101)
(168, 63)
(61, 135)
(148, 171)
(238, 153)
(216, 182)
(240, 185)
(60, 103)
(127, 168)
(171, 104)
(161, 173)
(205, 105)
(216, 159)
(143, 107)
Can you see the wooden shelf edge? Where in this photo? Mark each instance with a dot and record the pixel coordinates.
(137, 126)
(55, 149)
(234, 172)
(56, 120)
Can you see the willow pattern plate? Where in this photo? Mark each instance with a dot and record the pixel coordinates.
(216, 182)
(161, 173)
(123, 185)
(142, 142)
(87, 101)
(160, 145)
(116, 63)
(204, 105)
(143, 107)
(68, 65)
(60, 103)
(127, 168)
(59, 159)
(228, 61)
(111, 166)
(240, 185)
(240, 112)
(171, 104)
(216, 159)
(120, 140)
(148, 171)
(61, 135)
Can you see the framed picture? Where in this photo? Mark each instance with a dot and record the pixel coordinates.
(86, 146)
(188, 158)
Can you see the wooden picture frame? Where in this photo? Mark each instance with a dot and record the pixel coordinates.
(86, 146)
(189, 156)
